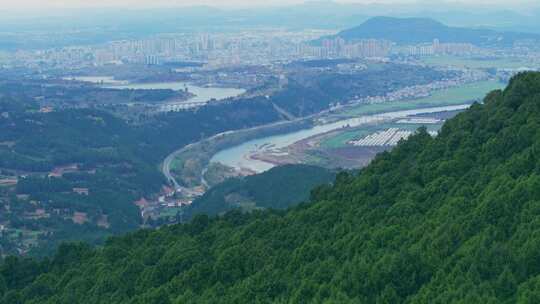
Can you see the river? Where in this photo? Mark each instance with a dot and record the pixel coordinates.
(203, 94)
(239, 156)
(103, 80)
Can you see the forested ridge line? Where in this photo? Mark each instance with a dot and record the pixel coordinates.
(450, 219)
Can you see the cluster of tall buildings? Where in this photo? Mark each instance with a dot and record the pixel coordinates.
(148, 51)
(438, 48)
(153, 51)
(231, 49)
(338, 47)
(65, 55)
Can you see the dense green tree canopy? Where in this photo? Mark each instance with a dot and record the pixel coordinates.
(279, 188)
(451, 219)
(115, 160)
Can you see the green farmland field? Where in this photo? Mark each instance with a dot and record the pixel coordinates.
(454, 96)
(503, 63)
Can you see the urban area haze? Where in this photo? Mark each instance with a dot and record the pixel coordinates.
(126, 4)
(348, 151)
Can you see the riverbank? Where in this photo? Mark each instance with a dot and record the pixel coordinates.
(300, 146)
(190, 163)
(185, 167)
(201, 94)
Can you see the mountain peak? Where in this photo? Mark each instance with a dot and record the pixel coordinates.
(425, 30)
(394, 21)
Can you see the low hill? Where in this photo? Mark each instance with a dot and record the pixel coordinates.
(278, 188)
(51, 154)
(422, 30)
(451, 219)
(117, 159)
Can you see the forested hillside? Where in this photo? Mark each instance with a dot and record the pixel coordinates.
(116, 162)
(451, 219)
(278, 188)
(57, 140)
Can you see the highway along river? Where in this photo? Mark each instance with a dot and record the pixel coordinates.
(240, 156)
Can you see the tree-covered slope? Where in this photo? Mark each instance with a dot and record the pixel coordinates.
(279, 188)
(114, 160)
(452, 219)
(421, 30)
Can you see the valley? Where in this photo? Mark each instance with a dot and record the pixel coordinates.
(419, 224)
(269, 152)
(321, 139)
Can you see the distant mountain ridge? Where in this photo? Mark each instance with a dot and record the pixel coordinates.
(119, 23)
(421, 30)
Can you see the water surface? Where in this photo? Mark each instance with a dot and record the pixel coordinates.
(203, 94)
(239, 156)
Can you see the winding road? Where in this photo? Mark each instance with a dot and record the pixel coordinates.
(166, 167)
(167, 163)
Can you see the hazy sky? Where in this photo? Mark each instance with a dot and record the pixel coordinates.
(50, 4)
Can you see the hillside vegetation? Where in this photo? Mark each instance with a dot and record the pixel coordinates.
(114, 160)
(452, 219)
(278, 188)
